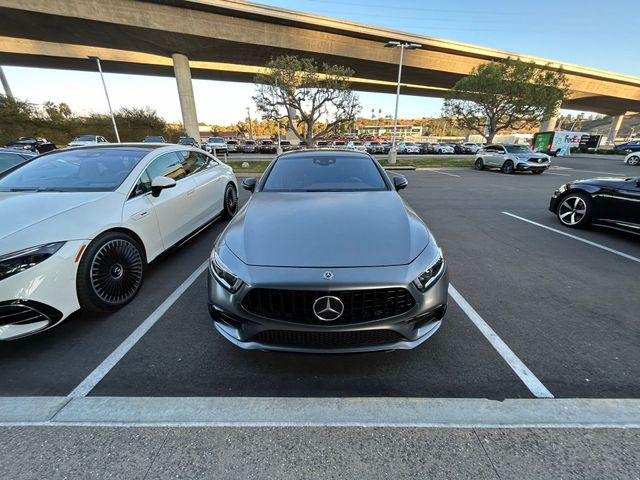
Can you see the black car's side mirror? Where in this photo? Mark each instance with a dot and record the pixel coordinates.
(249, 184)
(399, 183)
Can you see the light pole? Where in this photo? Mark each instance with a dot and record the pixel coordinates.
(113, 118)
(250, 123)
(408, 46)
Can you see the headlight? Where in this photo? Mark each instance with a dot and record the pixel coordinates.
(562, 188)
(223, 274)
(20, 261)
(426, 278)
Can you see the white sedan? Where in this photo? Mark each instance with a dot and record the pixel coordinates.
(80, 225)
(632, 159)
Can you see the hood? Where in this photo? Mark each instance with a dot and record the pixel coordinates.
(531, 155)
(31, 218)
(601, 181)
(326, 229)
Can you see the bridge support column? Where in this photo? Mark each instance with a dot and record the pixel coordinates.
(185, 93)
(549, 123)
(616, 123)
(5, 85)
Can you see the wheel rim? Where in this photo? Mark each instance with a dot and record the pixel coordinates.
(478, 164)
(231, 201)
(572, 210)
(508, 167)
(116, 271)
(634, 160)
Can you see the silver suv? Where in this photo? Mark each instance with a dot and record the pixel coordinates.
(511, 158)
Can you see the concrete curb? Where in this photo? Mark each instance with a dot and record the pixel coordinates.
(321, 412)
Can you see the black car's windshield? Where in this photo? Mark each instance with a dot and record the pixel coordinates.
(517, 149)
(95, 170)
(324, 173)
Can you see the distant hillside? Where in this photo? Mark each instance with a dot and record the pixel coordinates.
(602, 125)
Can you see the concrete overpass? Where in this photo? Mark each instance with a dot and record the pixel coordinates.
(232, 40)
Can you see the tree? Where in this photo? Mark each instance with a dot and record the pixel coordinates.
(301, 91)
(510, 94)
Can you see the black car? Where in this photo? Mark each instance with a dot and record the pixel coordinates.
(267, 146)
(633, 146)
(32, 144)
(154, 139)
(190, 141)
(10, 158)
(606, 202)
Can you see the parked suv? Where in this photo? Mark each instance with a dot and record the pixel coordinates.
(249, 146)
(374, 147)
(407, 147)
(267, 146)
(216, 145)
(33, 144)
(232, 146)
(357, 146)
(443, 148)
(511, 158)
(470, 147)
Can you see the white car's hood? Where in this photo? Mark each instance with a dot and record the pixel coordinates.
(33, 218)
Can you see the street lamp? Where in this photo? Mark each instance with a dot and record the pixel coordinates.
(113, 118)
(403, 46)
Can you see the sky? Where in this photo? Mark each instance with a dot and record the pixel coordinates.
(584, 32)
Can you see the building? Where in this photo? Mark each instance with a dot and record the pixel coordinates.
(402, 131)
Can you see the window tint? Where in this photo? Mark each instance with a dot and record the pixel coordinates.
(92, 170)
(324, 173)
(193, 162)
(8, 160)
(167, 165)
(143, 186)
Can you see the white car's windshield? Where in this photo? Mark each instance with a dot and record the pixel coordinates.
(94, 170)
(85, 138)
(517, 149)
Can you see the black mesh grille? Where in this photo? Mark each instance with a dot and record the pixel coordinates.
(359, 305)
(19, 314)
(287, 338)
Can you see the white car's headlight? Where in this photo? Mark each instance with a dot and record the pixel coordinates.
(22, 260)
(426, 278)
(224, 275)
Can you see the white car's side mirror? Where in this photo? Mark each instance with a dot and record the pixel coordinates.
(160, 183)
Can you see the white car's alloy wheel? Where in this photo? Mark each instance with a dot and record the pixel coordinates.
(633, 160)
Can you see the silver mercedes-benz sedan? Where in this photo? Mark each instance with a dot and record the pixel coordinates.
(326, 257)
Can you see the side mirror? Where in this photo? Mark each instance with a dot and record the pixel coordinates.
(160, 183)
(249, 184)
(400, 183)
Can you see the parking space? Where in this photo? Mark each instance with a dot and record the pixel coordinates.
(566, 309)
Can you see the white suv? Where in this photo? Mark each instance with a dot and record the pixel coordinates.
(511, 158)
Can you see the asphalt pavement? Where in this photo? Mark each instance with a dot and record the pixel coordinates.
(533, 308)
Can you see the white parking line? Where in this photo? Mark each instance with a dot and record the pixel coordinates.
(588, 242)
(520, 369)
(108, 363)
(445, 173)
(559, 174)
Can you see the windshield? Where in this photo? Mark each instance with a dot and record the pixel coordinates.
(216, 140)
(94, 170)
(154, 139)
(324, 173)
(186, 141)
(85, 138)
(517, 149)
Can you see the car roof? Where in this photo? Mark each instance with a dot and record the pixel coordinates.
(325, 152)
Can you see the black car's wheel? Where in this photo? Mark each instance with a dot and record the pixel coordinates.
(507, 167)
(230, 202)
(479, 164)
(575, 210)
(634, 160)
(110, 272)
(537, 172)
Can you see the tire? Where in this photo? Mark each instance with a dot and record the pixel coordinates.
(479, 164)
(508, 168)
(230, 200)
(110, 272)
(633, 160)
(574, 210)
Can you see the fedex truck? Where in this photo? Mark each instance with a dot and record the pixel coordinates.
(557, 143)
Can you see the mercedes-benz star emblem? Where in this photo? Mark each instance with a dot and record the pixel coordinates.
(328, 309)
(327, 275)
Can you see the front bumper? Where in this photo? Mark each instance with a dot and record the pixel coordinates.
(532, 166)
(41, 296)
(404, 331)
